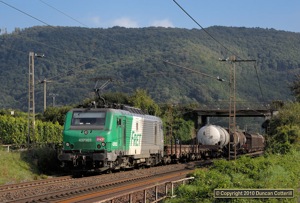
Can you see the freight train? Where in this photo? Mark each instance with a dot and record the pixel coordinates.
(105, 139)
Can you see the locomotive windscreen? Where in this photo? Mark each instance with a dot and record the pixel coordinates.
(88, 119)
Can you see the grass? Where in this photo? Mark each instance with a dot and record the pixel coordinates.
(34, 164)
(13, 169)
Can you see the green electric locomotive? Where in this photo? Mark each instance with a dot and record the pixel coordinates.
(103, 139)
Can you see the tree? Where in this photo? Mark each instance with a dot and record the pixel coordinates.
(116, 98)
(295, 87)
(177, 122)
(285, 129)
(142, 100)
(55, 114)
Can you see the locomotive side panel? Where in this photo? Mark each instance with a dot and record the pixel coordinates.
(135, 134)
(152, 142)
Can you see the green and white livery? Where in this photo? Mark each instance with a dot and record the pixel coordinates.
(106, 139)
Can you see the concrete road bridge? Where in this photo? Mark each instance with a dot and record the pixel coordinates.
(203, 115)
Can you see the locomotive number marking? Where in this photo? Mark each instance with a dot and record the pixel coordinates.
(85, 140)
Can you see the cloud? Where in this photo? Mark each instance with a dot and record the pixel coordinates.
(162, 23)
(125, 22)
(95, 20)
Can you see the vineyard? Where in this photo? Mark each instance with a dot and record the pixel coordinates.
(14, 130)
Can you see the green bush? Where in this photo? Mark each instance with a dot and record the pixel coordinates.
(267, 172)
(44, 158)
(284, 133)
(13, 130)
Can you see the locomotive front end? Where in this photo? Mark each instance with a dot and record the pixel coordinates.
(84, 139)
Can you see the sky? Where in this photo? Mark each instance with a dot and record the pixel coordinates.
(276, 14)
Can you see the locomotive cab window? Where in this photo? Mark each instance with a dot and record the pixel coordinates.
(88, 119)
(119, 121)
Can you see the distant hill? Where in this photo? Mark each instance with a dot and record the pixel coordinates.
(133, 58)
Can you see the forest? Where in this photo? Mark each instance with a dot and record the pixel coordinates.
(134, 58)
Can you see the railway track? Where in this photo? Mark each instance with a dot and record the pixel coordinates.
(67, 188)
(128, 187)
(95, 188)
(10, 187)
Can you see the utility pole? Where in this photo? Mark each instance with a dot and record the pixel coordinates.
(232, 106)
(31, 99)
(31, 104)
(232, 102)
(53, 98)
(45, 92)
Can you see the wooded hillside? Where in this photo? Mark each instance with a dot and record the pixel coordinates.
(133, 58)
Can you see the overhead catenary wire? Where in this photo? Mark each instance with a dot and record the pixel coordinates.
(66, 52)
(195, 71)
(68, 71)
(51, 26)
(255, 66)
(27, 14)
(43, 81)
(210, 35)
(63, 13)
(31, 16)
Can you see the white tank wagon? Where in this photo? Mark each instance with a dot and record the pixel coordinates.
(213, 135)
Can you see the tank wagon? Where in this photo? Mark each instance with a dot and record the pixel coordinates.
(213, 141)
(242, 141)
(213, 135)
(106, 138)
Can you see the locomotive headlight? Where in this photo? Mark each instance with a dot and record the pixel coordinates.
(71, 146)
(103, 144)
(67, 144)
(98, 146)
